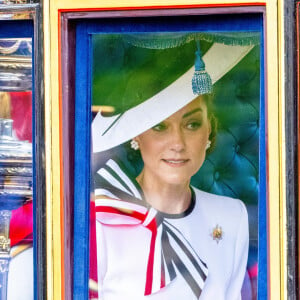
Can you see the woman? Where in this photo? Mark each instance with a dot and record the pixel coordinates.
(157, 236)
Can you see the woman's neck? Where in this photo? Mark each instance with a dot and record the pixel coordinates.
(167, 198)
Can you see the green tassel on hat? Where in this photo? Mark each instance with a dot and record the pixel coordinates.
(201, 81)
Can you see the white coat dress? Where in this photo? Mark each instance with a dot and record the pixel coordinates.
(214, 227)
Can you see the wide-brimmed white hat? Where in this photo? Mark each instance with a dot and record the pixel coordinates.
(109, 132)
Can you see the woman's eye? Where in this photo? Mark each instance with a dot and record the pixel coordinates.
(159, 127)
(193, 125)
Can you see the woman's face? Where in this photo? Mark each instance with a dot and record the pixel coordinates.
(174, 150)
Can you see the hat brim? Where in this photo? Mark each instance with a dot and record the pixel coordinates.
(109, 132)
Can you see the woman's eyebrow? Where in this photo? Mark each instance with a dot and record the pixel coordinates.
(191, 112)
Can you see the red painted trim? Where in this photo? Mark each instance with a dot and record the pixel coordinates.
(158, 7)
(61, 162)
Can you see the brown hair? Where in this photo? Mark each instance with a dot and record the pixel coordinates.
(208, 99)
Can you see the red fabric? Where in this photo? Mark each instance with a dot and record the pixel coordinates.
(21, 113)
(21, 225)
(253, 271)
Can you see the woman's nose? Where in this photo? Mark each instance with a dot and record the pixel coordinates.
(177, 140)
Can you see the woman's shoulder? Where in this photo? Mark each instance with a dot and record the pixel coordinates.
(215, 204)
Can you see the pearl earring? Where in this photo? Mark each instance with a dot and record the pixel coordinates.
(208, 143)
(134, 144)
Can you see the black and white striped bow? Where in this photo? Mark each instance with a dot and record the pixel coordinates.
(169, 252)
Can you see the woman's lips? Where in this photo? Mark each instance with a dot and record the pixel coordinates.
(175, 162)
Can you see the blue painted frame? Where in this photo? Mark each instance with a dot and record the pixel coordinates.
(16, 29)
(84, 30)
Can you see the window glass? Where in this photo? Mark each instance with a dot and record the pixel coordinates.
(137, 79)
(16, 169)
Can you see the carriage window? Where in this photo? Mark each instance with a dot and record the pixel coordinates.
(176, 123)
(16, 169)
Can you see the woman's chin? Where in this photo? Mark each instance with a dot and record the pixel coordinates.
(176, 180)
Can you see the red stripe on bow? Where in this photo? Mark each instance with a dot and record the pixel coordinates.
(120, 211)
(149, 279)
(152, 226)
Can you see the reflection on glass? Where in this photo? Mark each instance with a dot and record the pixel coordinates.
(16, 191)
(8, 2)
(130, 70)
(15, 64)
